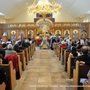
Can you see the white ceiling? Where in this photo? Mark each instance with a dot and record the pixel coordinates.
(76, 8)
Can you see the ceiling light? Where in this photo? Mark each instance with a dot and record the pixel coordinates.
(2, 14)
(44, 7)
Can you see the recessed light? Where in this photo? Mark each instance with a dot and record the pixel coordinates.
(2, 14)
(88, 12)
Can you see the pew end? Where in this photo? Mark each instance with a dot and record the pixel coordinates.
(69, 65)
(66, 55)
(22, 59)
(79, 72)
(19, 73)
(2, 86)
(10, 75)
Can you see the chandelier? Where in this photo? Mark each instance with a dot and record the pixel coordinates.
(44, 7)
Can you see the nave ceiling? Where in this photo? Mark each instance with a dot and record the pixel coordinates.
(76, 8)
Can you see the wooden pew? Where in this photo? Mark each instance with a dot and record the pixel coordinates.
(57, 50)
(19, 73)
(59, 53)
(69, 65)
(2, 86)
(16, 63)
(26, 55)
(66, 55)
(86, 86)
(62, 56)
(32, 49)
(29, 53)
(55, 46)
(10, 75)
(79, 72)
(22, 59)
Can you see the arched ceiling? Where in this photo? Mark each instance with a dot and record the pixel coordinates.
(12, 8)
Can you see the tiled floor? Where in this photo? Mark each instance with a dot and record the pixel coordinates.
(44, 72)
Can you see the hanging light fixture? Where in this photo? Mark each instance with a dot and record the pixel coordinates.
(44, 7)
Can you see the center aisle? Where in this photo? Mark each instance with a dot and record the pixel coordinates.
(44, 72)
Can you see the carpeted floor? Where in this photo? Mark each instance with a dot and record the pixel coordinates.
(44, 72)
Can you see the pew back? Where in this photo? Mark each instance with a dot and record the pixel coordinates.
(79, 72)
(10, 75)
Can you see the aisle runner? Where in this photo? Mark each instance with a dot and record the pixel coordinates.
(44, 72)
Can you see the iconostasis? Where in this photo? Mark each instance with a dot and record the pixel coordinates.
(71, 30)
(17, 30)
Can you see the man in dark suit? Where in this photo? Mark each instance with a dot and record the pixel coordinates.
(85, 57)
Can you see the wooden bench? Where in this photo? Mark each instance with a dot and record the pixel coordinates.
(87, 86)
(66, 55)
(56, 48)
(22, 59)
(2, 86)
(69, 65)
(19, 73)
(10, 75)
(29, 53)
(16, 63)
(26, 55)
(79, 72)
(59, 53)
(62, 56)
(32, 49)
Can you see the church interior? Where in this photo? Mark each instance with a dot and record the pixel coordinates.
(44, 44)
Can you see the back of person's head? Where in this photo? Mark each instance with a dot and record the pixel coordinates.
(2, 53)
(74, 51)
(79, 47)
(26, 41)
(73, 44)
(85, 50)
(9, 46)
(9, 39)
(4, 45)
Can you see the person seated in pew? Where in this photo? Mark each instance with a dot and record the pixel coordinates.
(73, 45)
(2, 72)
(2, 75)
(4, 46)
(17, 47)
(9, 50)
(74, 52)
(14, 58)
(69, 44)
(2, 55)
(9, 42)
(25, 43)
(85, 57)
(73, 56)
(79, 51)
